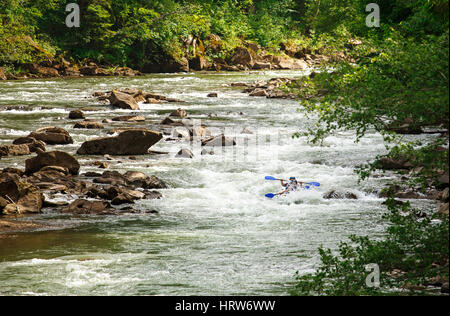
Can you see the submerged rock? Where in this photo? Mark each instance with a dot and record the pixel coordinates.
(394, 164)
(340, 195)
(130, 142)
(89, 208)
(89, 125)
(185, 153)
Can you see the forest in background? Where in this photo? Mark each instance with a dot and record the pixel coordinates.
(142, 33)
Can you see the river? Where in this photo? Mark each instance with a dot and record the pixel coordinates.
(216, 233)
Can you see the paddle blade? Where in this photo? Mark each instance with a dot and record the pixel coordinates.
(307, 187)
(270, 195)
(315, 184)
(271, 178)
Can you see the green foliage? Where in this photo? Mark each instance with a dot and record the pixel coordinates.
(406, 79)
(141, 32)
(417, 248)
(401, 75)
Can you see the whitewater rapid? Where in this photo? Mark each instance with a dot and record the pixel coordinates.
(216, 233)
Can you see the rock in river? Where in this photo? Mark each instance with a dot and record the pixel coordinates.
(130, 142)
(76, 115)
(89, 207)
(18, 197)
(14, 150)
(54, 158)
(32, 143)
(89, 125)
(52, 136)
(123, 100)
(219, 141)
(340, 195)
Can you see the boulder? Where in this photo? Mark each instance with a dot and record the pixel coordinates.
(212, 95)
(21, 197)
(89, 70)
(123, 100)
(42, 71)
(52, 136)
(33, 144)
(199, 131)
(54, 158)
(89, 207)
(242, 56)
(219, 141)
(126, 72)
(112, 178)
(122, 199)
(89, 125)
(123, 193)
(179, 113)
(153, 195)
(129, 118)
(394, 164)
(14, 150)
(214, 42)
(167, 121)
(340, 195)
(259, 93)
(262, 65)
(153, 182)
(185, 153)
(246, 131)
(19, 172)
(130, 142)
(181, 132)
(131, 178)
(199, 63)
(76, 115)
(409, 195)
(291, 64)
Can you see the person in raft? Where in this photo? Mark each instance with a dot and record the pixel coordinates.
(291, 186)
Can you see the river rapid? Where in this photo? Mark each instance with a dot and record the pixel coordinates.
(216, 233)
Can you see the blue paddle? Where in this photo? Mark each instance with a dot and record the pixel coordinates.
(315, 184)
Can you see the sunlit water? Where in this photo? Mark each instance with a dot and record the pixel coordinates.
(216, 233)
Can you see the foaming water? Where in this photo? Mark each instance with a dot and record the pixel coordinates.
(216, 233)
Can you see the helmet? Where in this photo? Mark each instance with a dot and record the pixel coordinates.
(292, 178)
